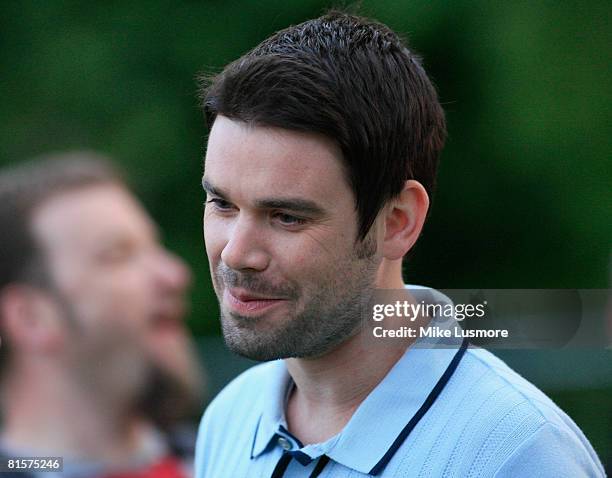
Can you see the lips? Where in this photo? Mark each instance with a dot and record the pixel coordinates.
(168, 315)
(247, 303)
(163, 321)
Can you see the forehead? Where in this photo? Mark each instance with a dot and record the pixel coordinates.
(245, 159)
(87, 217)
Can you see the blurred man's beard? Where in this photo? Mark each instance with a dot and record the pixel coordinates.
(105, 363)
(115, 368)
(124, 378)
(112, 368)
(168, 400)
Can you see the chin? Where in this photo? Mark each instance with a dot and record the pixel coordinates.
(249, 344)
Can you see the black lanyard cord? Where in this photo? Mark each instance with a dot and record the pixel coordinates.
(281, 466)
(429, 401)
(283, 463)
(324, 460)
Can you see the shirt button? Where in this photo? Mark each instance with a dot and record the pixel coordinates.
(284, 443)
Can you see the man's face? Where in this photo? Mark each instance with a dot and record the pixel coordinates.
(121, 293)
(280, 227)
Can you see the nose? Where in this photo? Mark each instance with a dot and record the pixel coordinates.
(244, 250)
(172, 272)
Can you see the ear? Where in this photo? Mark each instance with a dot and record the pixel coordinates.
(30, 319)
(404, 219)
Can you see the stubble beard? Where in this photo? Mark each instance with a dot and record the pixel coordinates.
(331, 315)
(169, 398)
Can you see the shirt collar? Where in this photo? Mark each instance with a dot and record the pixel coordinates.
(376, 429)
(273, 412)
(370, 437)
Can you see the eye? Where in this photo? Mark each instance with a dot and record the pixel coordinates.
(115, 254)
(289, 219)
(219, 204)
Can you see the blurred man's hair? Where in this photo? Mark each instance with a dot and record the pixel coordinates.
(352, 80)
(25, 187)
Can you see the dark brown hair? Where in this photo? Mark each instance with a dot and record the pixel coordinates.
(352, 80)
(28, 185)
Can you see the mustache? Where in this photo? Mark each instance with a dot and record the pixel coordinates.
(253, 282)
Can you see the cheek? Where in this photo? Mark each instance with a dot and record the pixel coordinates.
(213, 239)
(309, 260)
(116, 299)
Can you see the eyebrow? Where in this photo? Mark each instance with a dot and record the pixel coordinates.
(300, 205)
(209, 188)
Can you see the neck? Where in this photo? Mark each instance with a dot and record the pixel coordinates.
(47, 413)
(328, 389)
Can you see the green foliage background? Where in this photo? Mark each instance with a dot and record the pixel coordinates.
(524, 188)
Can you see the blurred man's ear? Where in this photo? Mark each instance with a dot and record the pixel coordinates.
(30, 320)
(404, 219)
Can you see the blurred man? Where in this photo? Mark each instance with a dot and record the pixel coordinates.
(320, 166)
(96, 360)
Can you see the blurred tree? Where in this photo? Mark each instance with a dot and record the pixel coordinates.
(524, 190)
(524, 196)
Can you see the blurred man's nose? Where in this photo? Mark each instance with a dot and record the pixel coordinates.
(244, 249)
(172, 271)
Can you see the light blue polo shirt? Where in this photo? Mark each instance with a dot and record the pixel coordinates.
(455, 411)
